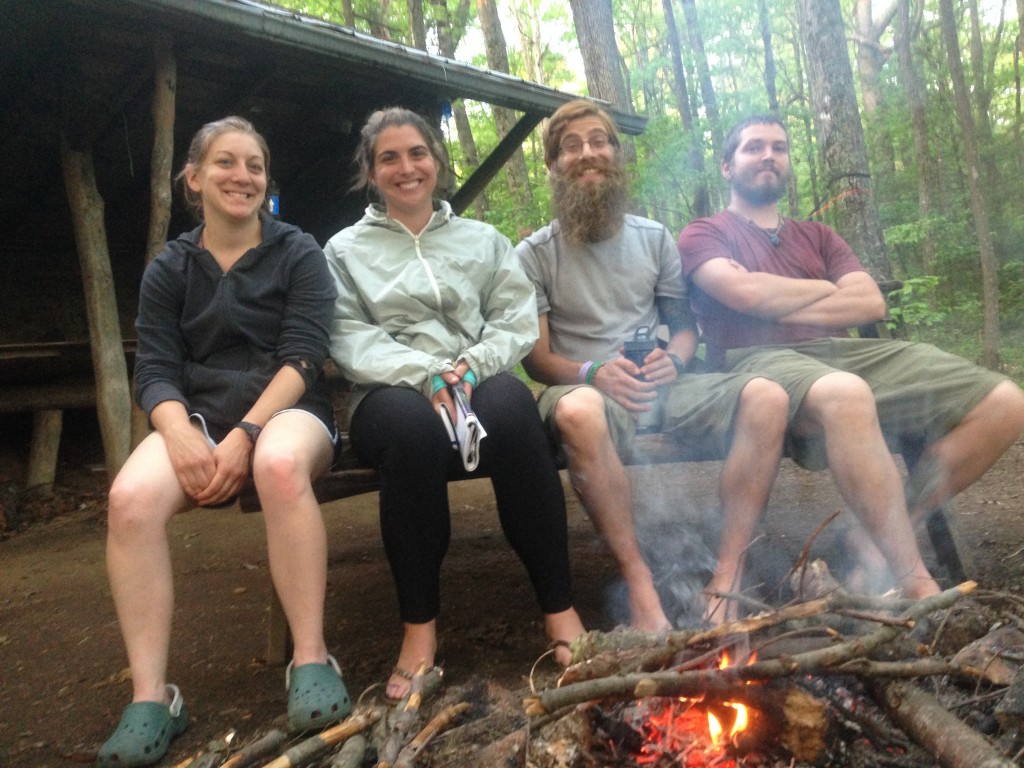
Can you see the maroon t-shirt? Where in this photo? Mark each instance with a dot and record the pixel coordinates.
(806, 249)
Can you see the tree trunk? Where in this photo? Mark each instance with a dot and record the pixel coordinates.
(799, 82)
(416, 24)
(707, 87)
(870, 60)
(840, 134)
(764, 17)
(695, 153)
(969, 140)
(111, 371)
(348, 13)
(448, 31)
(505, 119)
(913, 90)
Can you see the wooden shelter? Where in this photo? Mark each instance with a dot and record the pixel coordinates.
(99, 102)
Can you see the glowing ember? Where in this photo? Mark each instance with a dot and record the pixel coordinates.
(690, 732)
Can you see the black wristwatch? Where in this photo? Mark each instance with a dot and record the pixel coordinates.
(677, 361)
(252, 430)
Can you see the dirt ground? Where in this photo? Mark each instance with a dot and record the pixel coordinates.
(62, 664)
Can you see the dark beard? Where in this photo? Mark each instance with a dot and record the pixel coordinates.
(763, 193)
(590, 213)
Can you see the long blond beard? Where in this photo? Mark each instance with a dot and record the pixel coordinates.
(590, 213)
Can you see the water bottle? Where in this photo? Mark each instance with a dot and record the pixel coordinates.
(636, 350)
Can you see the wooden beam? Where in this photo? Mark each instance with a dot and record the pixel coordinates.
(165, 83)
(112, 394)
(489, 168)
(42, 454)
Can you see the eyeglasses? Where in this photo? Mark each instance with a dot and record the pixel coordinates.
(573, 145)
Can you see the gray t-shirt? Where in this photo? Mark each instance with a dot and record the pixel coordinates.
(597, 294)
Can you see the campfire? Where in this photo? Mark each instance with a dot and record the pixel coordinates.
(837, 680)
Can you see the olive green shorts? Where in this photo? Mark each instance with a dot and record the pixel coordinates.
(698, 409)
(919, 389)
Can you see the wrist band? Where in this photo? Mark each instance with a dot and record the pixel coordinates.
(470, 377)
(592, 373)
(677, 361)
(585, 371)
(437, 384)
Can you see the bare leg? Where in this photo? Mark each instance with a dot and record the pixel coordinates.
(143, 498)
(419, 646)
(599, 478)
(842, 406)
(967, 451)
(292, 449)
(744, 487)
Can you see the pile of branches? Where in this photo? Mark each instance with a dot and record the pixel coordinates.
(890, 647)
(383, 736)
(887, 644)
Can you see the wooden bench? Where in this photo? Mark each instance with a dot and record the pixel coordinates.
(348, 478)
(45, 379)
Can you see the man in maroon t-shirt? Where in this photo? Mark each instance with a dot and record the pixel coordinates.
(775, 296)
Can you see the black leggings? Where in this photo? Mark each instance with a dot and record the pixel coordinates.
(397, 431)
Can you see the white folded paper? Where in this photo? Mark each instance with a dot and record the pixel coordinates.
(465, 431)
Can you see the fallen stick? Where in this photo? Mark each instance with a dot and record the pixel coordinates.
(730, 680)
(441, 722)
(305, 752)
(351, 754)
(266, 745)
(402, 721)
(923, 717)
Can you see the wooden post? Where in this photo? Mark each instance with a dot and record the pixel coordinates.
(42, 454)
(165, 85)
(112, 395)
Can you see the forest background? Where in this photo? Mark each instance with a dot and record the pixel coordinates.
(904, 116)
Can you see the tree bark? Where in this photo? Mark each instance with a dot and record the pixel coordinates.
(840, 134)
(111, 371)
(764, 18)
(986, 252)
(505, 119)
(923, 717)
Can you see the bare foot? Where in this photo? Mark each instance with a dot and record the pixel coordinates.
(718, 610)
(563, 627)
(645, 609)
(419, 644)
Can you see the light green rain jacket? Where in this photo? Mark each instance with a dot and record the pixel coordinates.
(413, 306)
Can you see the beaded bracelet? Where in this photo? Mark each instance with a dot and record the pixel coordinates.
(592, 373)
(585, 371)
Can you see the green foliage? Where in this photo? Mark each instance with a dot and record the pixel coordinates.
(910, 306)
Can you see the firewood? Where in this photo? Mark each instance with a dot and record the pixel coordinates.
(440, 722)
(728, 681)
(924, 718)
(305, 752)
(268, 744)
(402, 721)
(351, 754)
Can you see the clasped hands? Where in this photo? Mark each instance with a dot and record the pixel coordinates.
(621, 380)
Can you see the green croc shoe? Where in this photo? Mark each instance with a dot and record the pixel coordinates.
(316, 695)
(144, 733)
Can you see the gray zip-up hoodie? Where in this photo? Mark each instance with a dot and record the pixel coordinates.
(412, 306)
